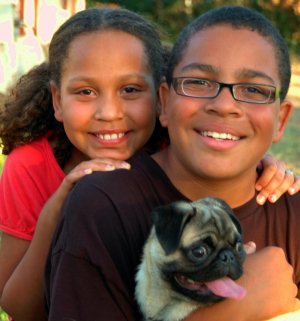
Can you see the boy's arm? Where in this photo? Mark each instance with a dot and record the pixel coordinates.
(271, 291)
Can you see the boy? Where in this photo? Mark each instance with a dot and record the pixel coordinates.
(224, 104)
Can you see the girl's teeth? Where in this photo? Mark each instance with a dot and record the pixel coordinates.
(110, 136)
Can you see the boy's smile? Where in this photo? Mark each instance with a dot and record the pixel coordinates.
(221, 138)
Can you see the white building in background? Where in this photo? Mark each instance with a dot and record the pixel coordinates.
(7, 43)
(26, 28)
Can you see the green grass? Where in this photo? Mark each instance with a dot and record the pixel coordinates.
(288, 148)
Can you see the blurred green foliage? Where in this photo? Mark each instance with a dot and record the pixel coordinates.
(2, 158)
(173, 15)
(3, 316)
(287, 149)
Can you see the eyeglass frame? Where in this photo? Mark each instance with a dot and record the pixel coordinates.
(222, 85)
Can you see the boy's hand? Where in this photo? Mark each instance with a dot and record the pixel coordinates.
(268, 278)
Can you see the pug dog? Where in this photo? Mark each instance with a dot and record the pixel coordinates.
(192, 257)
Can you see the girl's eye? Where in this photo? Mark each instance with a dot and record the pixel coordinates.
(130, 90)
(86, 92)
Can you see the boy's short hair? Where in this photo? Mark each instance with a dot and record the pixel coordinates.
(238, 18)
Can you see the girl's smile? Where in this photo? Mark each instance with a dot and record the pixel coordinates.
(107, 100)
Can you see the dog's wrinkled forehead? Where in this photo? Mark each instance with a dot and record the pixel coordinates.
(212, 216)
(184, 222)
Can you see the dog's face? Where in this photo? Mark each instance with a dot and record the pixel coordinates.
(202, 249)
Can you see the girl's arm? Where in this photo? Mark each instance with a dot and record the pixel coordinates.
(22, 262)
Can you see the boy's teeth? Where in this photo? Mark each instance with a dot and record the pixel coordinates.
(110, 136)
(219, 135)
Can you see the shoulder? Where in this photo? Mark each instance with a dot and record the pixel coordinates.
(117, 195)
(29, 153)
(288, 204)
(285, 209)
(34, 158)
(32, 165)
(144, 173)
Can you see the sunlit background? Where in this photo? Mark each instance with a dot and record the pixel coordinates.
(26, 28)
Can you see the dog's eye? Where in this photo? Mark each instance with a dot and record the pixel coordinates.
(199, 252)
(239, 247)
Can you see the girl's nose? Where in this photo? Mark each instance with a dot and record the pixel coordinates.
(109, 108)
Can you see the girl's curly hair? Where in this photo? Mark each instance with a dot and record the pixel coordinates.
(27, 114)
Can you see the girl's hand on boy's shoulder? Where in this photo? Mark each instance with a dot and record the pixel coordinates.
(94, 165)
(55, 202)
(90, 166)
(275, 180)
(86, 168)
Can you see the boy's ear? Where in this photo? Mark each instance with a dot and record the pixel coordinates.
(163, 98)
(56, 98)
(285, 112)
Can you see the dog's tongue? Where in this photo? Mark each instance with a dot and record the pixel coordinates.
(226, 288)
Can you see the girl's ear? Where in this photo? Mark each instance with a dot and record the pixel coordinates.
(285, 112)
(163, 98)
(56, 100)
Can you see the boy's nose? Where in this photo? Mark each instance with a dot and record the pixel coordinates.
(224, 104)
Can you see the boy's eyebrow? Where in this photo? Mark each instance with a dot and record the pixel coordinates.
(202, 67)
(244, 73)
(251, 73)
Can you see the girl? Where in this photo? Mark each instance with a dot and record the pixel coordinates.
(90, 107)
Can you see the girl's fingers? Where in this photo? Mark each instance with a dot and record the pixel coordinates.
(276, 188)
(295, 187)
(87, 167)
(272, 170)
(275, 180)
(102, 165)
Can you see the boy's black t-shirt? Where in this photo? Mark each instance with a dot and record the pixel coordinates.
(105, 223)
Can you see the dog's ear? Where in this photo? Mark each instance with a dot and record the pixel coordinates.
(236, 223)
(228, 210)
(169, 222)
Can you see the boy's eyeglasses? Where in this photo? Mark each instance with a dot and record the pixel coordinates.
(245, 92)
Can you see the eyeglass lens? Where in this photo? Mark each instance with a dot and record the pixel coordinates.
(202, 88)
